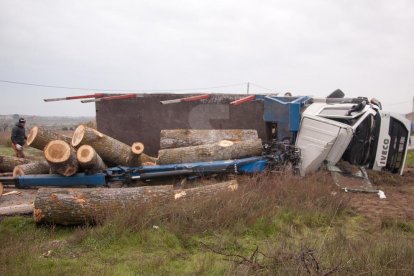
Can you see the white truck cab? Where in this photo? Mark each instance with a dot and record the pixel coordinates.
(356, 131)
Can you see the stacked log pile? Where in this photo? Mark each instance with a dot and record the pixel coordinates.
(112, 151)
(184, 146)
(88, 150)
(92, 151)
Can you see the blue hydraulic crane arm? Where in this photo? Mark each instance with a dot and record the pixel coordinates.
(246, 165)
(79, 179)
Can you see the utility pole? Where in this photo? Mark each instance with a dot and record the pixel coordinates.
(412, 112)
(248, 88)
(412, 115)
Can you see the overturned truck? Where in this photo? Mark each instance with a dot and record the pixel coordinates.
(320, 129)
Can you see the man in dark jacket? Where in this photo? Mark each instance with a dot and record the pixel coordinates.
(18, 137)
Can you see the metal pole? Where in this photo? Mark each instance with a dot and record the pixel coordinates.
(412, 117)
(412, 112)
(248, 87)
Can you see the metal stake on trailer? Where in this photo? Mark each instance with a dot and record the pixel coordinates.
(187, 99)
(117, 97)
(96, 95)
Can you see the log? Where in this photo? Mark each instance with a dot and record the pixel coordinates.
(82, 206)
(137, 148)
(207, 191)
(138, 158)
(6, 174)
(1, 189)
(20, 209)
(223, 150)
(61, 158)
(41, 167)
(7, 163)
(178, 138)
(89, 160)
(39, 137)
(112, 151)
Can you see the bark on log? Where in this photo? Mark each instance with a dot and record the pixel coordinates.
(6, 174)
(89, 160)
(206, 191)
(7, 163)
(80, 206)
(178, 138)
(61, 158)
(20, 209)
(223, 150)
(41, 167)
(39, 137)
(112, 151)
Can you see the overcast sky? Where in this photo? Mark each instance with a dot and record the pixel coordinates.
(365, 48)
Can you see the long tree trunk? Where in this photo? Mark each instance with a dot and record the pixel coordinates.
(61, 158)
(39, 137)
(206, 191)
(41, 167)
(223, 150)
(80, 206)
(112, 151)
(20, 209)
(178, 138)
(7, 163)
(89, 160)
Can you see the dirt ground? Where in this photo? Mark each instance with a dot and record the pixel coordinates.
(399, 202)
(25, 196)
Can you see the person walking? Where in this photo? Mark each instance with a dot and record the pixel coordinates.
(18, 137)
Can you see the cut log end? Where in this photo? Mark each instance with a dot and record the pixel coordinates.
(225, 143)
(32, 135)
(57, 151)
(85, 154)
(17, 171)
(137, 148)
(78, 135)
(70, 171)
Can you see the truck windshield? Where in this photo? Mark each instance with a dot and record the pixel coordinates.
(396, 154)
(363, 143)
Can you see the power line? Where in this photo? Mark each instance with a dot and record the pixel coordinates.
(265, 88)
(120, 90)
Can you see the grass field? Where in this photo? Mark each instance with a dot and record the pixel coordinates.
(274, 225)
(30, 153)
